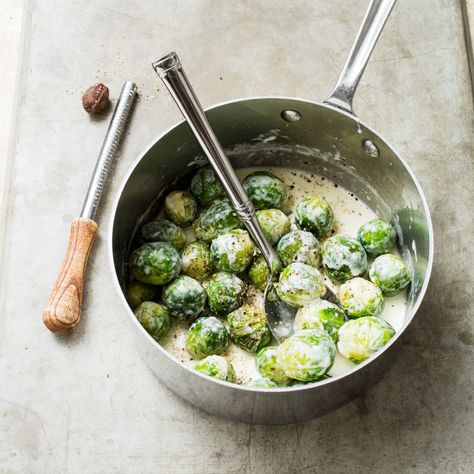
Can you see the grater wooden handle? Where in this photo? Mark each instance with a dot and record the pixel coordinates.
(63, 309)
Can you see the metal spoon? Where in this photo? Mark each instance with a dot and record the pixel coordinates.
(280, 316)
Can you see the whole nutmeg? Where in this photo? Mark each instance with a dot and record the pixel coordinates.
(96, 98)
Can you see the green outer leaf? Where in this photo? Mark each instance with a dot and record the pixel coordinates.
(390, 274)
(206, 187)
(184, 297)
(248, 328)
(196, 260)
(225, 292)
(377, 236)
(163, 231)
(315, 215)
(265, 190)
(218, 217)
(299, 246)
(268, 367)
(343, 257)
(156, 263)
(307, 355)
(207, 336)
(217, 367)
(180, 207)
(138, 292)
(361, 338)
(154, 318)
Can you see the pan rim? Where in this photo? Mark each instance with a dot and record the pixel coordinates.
(298, 388)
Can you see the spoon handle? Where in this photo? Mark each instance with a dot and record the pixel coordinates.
(171, 72)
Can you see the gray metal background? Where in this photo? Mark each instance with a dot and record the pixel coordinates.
(88, 402)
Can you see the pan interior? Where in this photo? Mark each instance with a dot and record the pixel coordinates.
(287, 133)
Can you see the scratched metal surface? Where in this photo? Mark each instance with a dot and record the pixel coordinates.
(87, 403)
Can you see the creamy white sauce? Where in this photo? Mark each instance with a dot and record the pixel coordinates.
(349, 214)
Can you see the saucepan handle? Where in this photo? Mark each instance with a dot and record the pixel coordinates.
(374, 21)
(171, 72)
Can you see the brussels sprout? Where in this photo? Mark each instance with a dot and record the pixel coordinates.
(299, 246)
(299, 284)
(225, 292)
(207, 336)
(343, 258)
(205, 186)
(156, 263)
(315, 215)
(180, 207)
(274, 224)
(377, 236)
(307, 355)
(184, 297)
(218, 367)
(259, 272)
(268, 366)
(248, 328)
(265, 190)
(261, 383)
(219, 217)
(390, 274)
(196, 260)
(163, 231)
(320, 314)
(232, 251)
(138, 292)
(360, 338)
(359, 297)
(154, 318)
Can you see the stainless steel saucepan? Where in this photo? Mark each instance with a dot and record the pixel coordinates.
(324, 138)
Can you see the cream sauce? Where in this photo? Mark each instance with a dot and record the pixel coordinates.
(349, 214)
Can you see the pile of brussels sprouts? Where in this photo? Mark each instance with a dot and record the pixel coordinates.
(205, 282)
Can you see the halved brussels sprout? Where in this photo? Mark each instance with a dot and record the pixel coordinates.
(261, 383)
(259, 272)
(154, 318)
(268, 366)
(163, 231)
(184, 297)
(138, 292)
(180, 207)
(206, 187)
(299, 284)
(315, 215)
(225, 292)
(390, 274)
(232, 251)
(207, 336)
(275, 224)
(320, 314)
(359, 297)
(248, 328)
(343, 257)
(307, 355)
(156, 263)
(196, 260)
(219, 217)
(218, 367)
(377, 236)
(299, 246)
(265, 190)
(360, 338)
